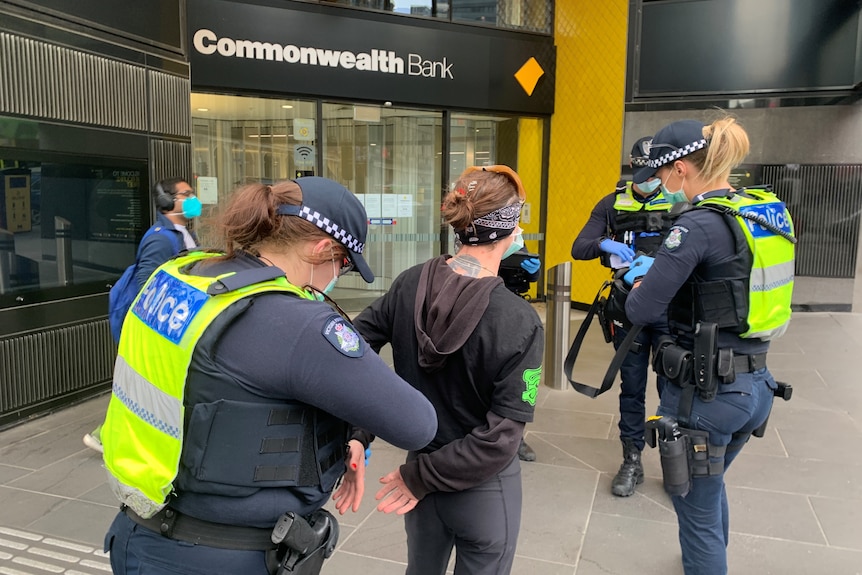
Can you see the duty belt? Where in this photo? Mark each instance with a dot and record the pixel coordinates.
(174, 525)
(749, 363)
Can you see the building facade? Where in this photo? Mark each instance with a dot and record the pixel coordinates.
(393, 99)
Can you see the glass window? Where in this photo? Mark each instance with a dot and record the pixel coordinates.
(533, 15)
(483, 140)
(520, 14)
(236, 140)
(67, 225)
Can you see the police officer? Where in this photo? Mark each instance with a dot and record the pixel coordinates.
(726, 272)
(232, 387)
(633, 218)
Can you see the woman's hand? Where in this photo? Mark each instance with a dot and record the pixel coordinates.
(394, 495)
(349, 494)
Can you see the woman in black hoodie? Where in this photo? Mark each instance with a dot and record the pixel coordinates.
(475, 350)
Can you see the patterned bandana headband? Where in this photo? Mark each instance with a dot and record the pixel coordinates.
(491, 227)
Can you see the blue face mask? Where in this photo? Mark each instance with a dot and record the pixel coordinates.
(517, 244)
(335, 275)
(649, 186)
(330, 286)
(192, 207)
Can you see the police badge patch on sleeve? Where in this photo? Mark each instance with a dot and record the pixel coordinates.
(343, 337)
(675, 237)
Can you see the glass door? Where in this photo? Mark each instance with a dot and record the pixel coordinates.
(391, 159)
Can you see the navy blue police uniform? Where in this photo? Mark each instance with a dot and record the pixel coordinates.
(635, 367)
(702, 240)
(273, 349)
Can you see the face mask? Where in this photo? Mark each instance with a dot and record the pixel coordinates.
(192, 207)
(331, 285)
(649, 186)
(676, 197)
(516, 245)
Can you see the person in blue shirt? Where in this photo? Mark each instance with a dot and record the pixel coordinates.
(177, 206)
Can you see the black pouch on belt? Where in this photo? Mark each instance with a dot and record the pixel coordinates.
(673, 362)
(724, 366)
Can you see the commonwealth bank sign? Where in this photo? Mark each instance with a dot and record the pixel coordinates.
(309, 50)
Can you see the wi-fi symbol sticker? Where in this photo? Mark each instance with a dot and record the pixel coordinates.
(304, 151)
(303, 154)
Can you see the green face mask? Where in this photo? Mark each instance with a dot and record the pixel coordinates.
(674, 197)
(517, 244)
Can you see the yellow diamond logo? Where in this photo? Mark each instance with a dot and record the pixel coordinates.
(529, 74)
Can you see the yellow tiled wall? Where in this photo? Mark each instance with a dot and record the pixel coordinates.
(530, 132)
(586, 128)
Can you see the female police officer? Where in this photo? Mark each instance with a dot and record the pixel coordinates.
(725, 276)
(233, 385)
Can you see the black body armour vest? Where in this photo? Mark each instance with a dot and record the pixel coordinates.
(237, 442)
(715, 293)
(644, 221)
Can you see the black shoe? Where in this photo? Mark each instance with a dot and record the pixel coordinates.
(631, 473)
(525, 452)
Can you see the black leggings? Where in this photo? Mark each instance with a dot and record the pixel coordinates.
(482, 524)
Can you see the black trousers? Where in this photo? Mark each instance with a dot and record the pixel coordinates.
(481, 523)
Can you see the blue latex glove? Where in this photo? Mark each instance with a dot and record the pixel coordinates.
(618, 249)
(367, 455)
(531, 265)
(640, 266)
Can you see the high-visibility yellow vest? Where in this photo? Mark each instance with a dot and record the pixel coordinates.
(770, 287)
(143, 431)
(625, 201)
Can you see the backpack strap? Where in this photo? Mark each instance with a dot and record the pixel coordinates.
(172, 235)
(159, 230)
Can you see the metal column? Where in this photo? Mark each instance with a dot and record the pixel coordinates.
(63, 232)
(559, 304)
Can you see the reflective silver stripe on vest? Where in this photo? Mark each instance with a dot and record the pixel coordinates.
(146, 401)
(770, 334)
(772, 277)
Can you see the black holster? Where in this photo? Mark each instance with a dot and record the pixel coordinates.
(701, 452)
(785, 392)
(302, 544)
(704, 360)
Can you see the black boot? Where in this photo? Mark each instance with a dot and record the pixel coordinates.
(631, 473)
(525, 452)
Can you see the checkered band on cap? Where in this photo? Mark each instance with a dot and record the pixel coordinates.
(325, 224)
(640, 162)
(677, 154)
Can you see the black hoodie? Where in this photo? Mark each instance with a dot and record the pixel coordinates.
(475, 350)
